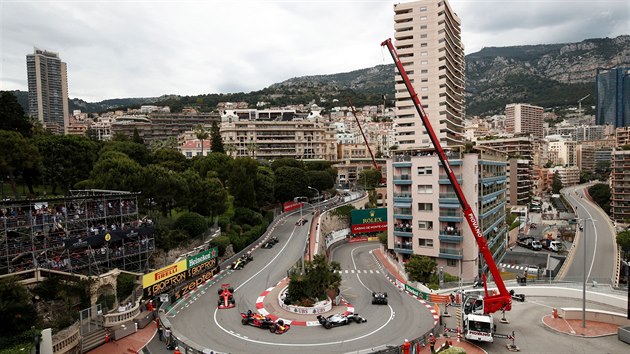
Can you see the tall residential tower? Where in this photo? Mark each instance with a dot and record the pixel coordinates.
(428, 42)
(48, 90)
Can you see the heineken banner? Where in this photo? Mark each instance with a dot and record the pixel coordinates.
(369, 220)
(181, 276)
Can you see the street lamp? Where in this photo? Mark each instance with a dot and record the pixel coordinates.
(583, 229)
(316, 191)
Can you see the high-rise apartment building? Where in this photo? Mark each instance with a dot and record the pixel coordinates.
(613, 97)
(48, 90)
(428, 43)
(620, 177)
(524, 118)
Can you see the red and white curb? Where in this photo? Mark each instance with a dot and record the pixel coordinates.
(260, 307)
(400, 285)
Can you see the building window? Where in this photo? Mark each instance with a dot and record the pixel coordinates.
(425, 242)
(425, 206)
(424, 62)
(423, 18)
(423, 26)
(425, 170)
(188, 154)
(425, 225)
(423, 8)
(425, 189)
(451, 262)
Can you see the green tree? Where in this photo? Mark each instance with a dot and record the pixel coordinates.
(17, 155)
(291, 182)
(125, 283)
(369, 178)
(556, 183)
(215, 136)
(241, 182)
(135, 151)
(287, 162)
(16, 307)
(66, 159)
(602, 170)
(419, 268)
(217, 197)
(312, 284)
(320, 180)
(216, 162)
(12, 116)
(194, 224)
(170, 159)
(623, 240)
(264, 186)
(136, 137)
(382, 237)
(163, 187)
(202, 134)
(344, 212)
(115, 170)
(601, 195)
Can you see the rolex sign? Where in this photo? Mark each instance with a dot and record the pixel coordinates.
(369, 220)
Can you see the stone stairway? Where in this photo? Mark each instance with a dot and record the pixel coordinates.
(93, 339)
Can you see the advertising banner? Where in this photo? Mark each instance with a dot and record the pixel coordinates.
(358, 239)
(288, 206)
(202, 257)
(192, 284)
(163, 273)
(110, 236)
(369, 220)
(181, 280)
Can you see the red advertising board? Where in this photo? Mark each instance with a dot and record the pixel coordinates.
(365, 228)
(358, 239)
(288, 206)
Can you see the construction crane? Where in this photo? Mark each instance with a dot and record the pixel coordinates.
(376, 166)
(489, 303)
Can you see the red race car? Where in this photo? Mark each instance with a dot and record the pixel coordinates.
(260, 321)
(226, 297)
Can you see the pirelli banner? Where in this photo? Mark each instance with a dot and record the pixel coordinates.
(369, 220)
(183, 276)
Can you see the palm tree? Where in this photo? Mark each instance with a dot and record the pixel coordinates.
(251, 147)
(201, 134)
(229, 149)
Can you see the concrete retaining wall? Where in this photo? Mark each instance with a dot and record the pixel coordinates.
(572, 313)
(608, 299)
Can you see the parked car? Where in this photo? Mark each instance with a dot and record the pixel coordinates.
(536, 245)
(555, 246)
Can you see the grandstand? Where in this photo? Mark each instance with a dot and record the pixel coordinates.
(88, 232)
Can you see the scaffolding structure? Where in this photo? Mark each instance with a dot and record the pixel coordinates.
(88, 232)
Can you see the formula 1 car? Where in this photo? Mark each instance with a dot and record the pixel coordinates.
(379, 298)
(226, 297)
(271, 242)
(337, 320)
(260, 321)
(242, 261)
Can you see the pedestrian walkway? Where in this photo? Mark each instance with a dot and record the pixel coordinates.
(130, 344)
(574, 327)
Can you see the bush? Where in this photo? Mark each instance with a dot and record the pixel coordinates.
(194, 224)
(125, 283)
(244, 216)
(221, 242)
(224, 222)
(106, 301)
(48, 289)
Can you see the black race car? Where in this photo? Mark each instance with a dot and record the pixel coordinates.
(337, 320)
(271, 242)
(379, 298)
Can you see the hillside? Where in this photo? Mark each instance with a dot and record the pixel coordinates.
(548, 75)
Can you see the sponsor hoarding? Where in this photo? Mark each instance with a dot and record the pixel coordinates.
(288, 206)
(163, 273)
(369, 220)
(202, 257)
(182, 280)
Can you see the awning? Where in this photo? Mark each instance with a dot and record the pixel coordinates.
(402, 205)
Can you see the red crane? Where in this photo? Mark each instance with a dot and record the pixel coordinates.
(492, 303)
(354, 112)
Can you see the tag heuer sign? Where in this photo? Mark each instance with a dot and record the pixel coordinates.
(108, 237)
(369, 220)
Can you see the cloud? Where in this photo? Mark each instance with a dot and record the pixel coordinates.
(149, 48)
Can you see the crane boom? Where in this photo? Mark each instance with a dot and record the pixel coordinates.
(492, 303)
(354, 112)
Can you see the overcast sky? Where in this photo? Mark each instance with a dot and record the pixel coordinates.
(141, 48)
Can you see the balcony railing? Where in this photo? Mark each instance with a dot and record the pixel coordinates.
(402, 211)
(402, 177)
(402, 195)
(405, 246)
(403, 229)
(451, 253)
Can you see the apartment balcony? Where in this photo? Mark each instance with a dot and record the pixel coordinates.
(451, 253)
(402, 161)
(448, 198)
(405, 248)
(402, 179)
(444, 179)
(451, 216)
(402, 197)
(403, 231)
(451, 235)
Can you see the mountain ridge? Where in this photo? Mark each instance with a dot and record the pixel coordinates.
(549, 75)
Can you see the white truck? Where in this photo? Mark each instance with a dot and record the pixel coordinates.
(477, 326)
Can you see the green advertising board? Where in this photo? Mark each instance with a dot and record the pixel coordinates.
(202, 257)
(369, 220)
